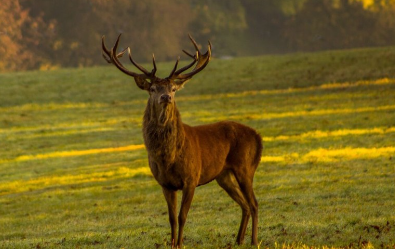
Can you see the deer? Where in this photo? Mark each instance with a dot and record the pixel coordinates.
(183, 157)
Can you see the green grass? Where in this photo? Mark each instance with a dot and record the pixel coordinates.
(326, 178)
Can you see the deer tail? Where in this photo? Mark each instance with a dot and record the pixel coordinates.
(259, 148)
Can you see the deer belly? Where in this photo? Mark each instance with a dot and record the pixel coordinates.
(210, 171)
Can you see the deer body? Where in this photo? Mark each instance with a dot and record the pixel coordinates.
(193, 154)
(182, 157)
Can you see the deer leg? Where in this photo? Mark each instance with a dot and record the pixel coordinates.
(187, 195)
(228, 182)
(248, 191)
(171, 199)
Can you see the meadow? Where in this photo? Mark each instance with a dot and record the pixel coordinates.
(74, 171)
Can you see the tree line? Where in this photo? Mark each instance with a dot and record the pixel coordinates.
(57, 33)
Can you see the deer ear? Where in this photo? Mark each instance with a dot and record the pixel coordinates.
(142, 83)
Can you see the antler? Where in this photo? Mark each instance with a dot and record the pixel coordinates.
(111, 56)
(201, 59)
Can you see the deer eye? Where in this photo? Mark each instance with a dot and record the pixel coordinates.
(152, 89)
(174, 90)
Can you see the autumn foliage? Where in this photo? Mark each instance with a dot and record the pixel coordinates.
(45, 34)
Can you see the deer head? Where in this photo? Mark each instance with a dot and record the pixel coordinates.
(161, 90)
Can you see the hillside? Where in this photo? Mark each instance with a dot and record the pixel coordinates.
(74, 172)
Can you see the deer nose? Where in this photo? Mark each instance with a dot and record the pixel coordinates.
(166, 98)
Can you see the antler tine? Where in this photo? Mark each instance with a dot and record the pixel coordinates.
(190, 55)
(107, 59)
(201, 59)
(194, 43)
(179, 71)
(174, 69)
(114, 48)
(120, 54)
(202, 63)
(141, 68)
(113, 57)
(197, 53)
(205, 58)
(153, 62)
(105, 51)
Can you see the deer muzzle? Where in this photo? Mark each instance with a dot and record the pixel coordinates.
(165, 99)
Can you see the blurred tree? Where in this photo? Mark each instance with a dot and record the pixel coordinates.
(290, 7)
(11, 20)
(384, 11)
(44, 33)
(265, 21)
(66, 18)
(329, 24)
(223, 22)
(19, 36)
(146, 25)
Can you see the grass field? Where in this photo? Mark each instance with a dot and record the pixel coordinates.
(74, 172)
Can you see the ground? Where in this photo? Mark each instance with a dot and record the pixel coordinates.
(74, 171)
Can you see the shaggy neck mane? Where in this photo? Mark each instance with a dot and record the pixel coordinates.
(163, 132)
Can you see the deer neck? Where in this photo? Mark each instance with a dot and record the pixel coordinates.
(163, 132)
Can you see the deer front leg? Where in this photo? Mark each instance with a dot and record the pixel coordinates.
(187, 195)
(171, 199)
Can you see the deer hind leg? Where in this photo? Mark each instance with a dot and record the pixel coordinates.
(228, 182)
(248, 192)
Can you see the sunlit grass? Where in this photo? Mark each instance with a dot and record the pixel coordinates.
(327, 155)
(257, 116)
(322, 155)
(52, 106)
(83, 125)
(326, 86)
(14, 187)
(303, 136)
(60, 154)
(51, 133)
(74, 172)
(362, 245)
(330, 134)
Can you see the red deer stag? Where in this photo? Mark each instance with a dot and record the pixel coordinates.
(182, 157)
